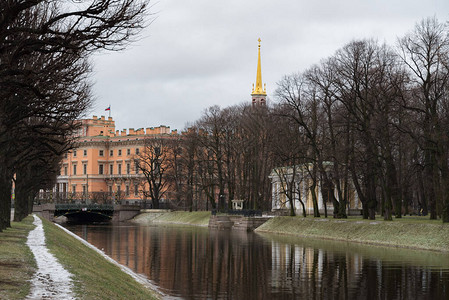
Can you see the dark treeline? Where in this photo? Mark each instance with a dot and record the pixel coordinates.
(44, 86)
(378, 114)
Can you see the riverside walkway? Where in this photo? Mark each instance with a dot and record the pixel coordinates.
(51, 280)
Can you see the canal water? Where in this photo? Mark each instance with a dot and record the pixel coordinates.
(195, 263)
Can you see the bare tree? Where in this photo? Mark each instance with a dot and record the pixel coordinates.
(303, 109)
(255, 155)
(155, 161)
(39, 41)
(212, 127)
(425, 52)
(335, 127)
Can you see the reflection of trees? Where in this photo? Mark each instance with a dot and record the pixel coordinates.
(199, 264)
(195, 264)
(309, 273)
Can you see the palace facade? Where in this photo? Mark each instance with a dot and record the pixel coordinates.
(102, 164)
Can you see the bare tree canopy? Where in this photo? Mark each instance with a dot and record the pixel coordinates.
(44, 72)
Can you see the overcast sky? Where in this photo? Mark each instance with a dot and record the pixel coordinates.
(200, 53)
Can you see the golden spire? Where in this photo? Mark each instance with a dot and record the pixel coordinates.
(257, 90)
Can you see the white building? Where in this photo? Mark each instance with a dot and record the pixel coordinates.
(298, 181)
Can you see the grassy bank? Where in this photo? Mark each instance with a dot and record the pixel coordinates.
(406, 233)
(94, 276)
(197, 218)
(17, 263)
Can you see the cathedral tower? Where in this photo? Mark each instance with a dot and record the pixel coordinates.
(259, 95)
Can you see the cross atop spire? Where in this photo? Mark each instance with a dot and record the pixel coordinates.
(257, 90)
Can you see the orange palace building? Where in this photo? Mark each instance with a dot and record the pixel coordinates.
(102, 163)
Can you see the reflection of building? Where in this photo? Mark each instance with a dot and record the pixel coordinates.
(297, 181)
(314, 273)
(102, 164)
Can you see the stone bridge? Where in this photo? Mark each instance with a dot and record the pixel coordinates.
(89, 208)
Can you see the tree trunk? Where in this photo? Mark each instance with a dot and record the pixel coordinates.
(445, 191)
(314, 199)
(21, 197)
(370, 178)
(371, 198)
(292, 207)
(429, 173)
(304, 214)
(445, 209)
(316, 209)
(5, 197)
(360, 193)
(387, 202)
(341, 201)
(30, 202)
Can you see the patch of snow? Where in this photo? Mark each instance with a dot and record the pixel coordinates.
(51, 280)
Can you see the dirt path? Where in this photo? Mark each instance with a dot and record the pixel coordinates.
(51, 280)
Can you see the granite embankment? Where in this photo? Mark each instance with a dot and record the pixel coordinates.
(407, 232)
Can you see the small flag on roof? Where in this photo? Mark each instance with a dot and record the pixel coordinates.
(108, 108)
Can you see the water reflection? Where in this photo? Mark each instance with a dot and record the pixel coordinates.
(320, 270)
(193, 263)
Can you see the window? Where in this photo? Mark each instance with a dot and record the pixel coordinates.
(84, 190)
(100, 152)
(127, 190)
(74, 169)
(65, 170)
(74, 153)
(111, 153)
(137, 167)
(118, 190)
(128, 151)
(137, 150)
(119, 171)
(85, 152)
(65, 155)
(100, 169)
(84, 169)
(74, 188)
(111, 169)
(119, 152)
(110, 189)
(136, 190)
(128, 168)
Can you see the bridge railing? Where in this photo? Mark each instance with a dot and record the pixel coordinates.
(79, 197)
(82, 206)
